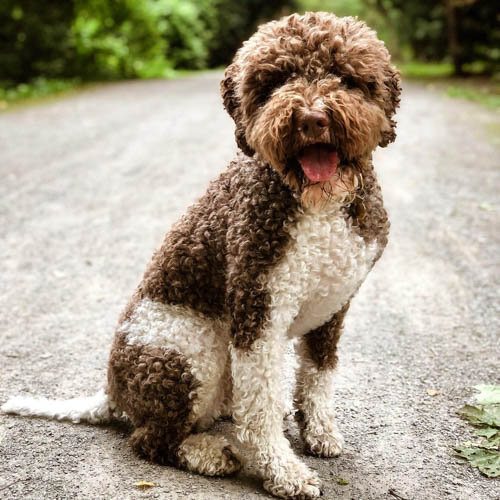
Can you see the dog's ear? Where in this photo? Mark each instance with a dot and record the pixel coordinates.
(233, 106)
(393, 92)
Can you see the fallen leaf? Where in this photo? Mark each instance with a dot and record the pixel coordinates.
(486, 415)
(486, 454)
(487, 461)
(487, 432)
(491, 435)
(488, 394)
(432, 392)
(144, 485)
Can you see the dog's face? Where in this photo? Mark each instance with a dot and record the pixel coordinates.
(313, 95)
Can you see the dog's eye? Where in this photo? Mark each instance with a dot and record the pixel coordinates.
(268, 85)
(348, 81)
(266, 92)
(367, 88)
(372, 87)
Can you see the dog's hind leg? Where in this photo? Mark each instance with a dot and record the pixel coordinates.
(165, 372)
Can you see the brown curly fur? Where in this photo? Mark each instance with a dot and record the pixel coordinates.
(217, 258)
(156, 389)
(314, 61)
(322, 342)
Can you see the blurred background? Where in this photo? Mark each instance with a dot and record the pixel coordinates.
(55, 45)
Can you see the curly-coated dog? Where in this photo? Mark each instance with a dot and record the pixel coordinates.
(274, 251)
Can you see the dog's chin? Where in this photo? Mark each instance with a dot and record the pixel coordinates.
(320, 185)
(340, 189)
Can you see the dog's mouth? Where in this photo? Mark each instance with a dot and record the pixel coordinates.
(319, 161)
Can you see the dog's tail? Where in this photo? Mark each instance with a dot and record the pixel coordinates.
(97, 409)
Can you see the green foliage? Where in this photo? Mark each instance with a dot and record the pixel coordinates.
(488, 394)
(39, 87)
(119, 38)
(107, 39)
(420, 25)
(491, 434)
(34, 39)
(487, 461)
(464, 31)
(482, 415)
(482, 95)
(479, 34)
(186, 34)
(417, 69)
(231, 22)
(486, 416)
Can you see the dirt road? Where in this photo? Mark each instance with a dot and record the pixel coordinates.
(90, 183)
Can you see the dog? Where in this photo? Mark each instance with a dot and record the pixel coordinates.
(272, 253)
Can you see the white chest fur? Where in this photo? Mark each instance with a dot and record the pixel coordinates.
(324, 266)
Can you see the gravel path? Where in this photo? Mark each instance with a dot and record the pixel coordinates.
(90, 183)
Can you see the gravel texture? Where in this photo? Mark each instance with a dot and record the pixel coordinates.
(89, 185)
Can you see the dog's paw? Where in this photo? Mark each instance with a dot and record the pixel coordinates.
(294, 481)
(209, 455)
(323, 442)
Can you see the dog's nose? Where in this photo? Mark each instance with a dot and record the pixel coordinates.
(312, 123)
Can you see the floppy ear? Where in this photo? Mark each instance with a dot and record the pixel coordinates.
(393, 93)
(233, 106)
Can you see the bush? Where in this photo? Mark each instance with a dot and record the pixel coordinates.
(107, 39)
(231, 22)
(34, 39)
(119, 39)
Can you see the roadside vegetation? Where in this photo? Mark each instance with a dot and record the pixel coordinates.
(484, 452)
(51, 46)
(476, 87)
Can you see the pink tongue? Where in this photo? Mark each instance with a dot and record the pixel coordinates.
(319, 162)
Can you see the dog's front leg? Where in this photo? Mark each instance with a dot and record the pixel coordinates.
(318, 357)
(258, 411)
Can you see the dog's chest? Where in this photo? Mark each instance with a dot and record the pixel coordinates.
(324, 265)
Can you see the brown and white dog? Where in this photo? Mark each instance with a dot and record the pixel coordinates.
(273, 252)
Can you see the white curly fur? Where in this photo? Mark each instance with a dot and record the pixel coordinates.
(209, 455)
(94, 409)
(324, 266)
(314, 397)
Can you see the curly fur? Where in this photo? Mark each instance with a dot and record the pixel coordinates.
(315, 61)
(266, 257)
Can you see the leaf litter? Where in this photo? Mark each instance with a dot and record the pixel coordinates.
(144, 485)
(485, 416)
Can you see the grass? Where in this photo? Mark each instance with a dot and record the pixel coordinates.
(41, 89)
(480, 89)
(481, 94)
(419, 70)
(38, 89)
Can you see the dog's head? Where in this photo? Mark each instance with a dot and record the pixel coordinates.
(313, 95)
